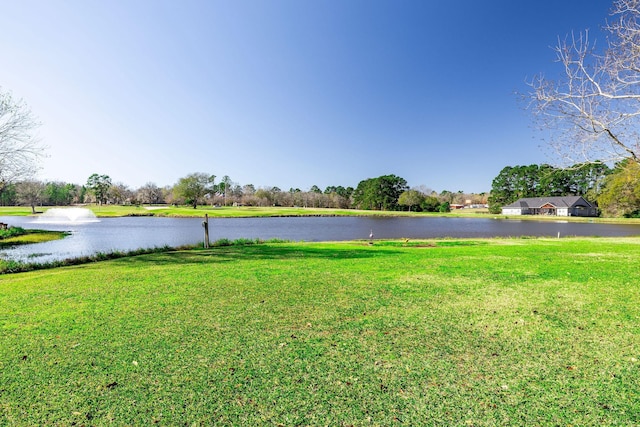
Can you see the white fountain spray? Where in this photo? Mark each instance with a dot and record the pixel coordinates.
(67, 216)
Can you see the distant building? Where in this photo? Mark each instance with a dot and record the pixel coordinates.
(558, 206)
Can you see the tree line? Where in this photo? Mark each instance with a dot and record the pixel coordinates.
(615, 191)
(387, 192)
(516, 182)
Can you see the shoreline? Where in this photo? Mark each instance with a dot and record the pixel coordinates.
(110, 211)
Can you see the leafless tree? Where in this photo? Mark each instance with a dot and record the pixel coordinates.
(592, 113)
(150, 193)
(120, 194)
(30, 193)
(19, 149)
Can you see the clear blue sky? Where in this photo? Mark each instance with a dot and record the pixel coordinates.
(287, 93)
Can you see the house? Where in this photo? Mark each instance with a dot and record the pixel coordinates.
(558, 206)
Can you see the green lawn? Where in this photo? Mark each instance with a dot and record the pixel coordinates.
(449, 332)
(15, 211)
(228, 211)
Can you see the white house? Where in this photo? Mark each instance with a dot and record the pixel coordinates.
(558, 206)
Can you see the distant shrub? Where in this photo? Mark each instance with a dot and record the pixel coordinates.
(277, 241)
(244, 242)
(634, 214)
(222, 242)
(240, 242)
(495, 208)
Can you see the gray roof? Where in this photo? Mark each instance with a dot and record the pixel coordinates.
(558, 202)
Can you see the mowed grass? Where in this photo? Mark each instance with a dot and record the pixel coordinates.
(106, 211)
(452, 332)
(233, 211)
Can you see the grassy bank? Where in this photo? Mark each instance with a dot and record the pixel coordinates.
(18, 236)
(468, 332)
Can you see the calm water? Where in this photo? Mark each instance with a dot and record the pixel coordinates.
(129, 233)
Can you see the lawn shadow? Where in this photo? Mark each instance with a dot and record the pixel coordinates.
(257, 252)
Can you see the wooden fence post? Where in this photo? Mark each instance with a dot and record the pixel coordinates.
(205, 224)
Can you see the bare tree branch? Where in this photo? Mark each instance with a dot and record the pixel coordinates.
(592, 112)
(19, 148)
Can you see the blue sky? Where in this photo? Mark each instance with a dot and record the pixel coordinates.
(286, 93)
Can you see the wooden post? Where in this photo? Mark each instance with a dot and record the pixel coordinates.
(205, 224)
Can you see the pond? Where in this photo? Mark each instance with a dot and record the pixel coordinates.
(129, 233)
